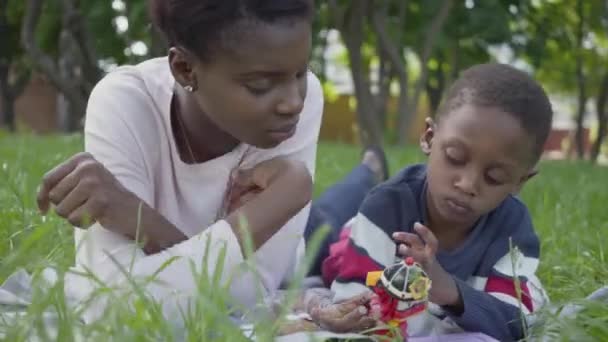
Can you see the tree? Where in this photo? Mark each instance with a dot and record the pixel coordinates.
(467, 38)
(602, 98)
(14, 74)
(602, 118)
(424, 52)
(378, 28)
(74, 71)
(566, 44)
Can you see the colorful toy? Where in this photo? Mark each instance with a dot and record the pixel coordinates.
(401, 291)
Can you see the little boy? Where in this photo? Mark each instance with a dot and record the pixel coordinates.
(457, 215)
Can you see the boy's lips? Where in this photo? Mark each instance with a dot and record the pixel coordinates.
(458, 207)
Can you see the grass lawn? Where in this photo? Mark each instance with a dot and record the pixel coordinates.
(568, 202)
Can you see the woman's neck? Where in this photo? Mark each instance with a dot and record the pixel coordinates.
(197, 137)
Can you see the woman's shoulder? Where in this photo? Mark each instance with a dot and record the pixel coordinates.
(147, 78)
(133, 92)
(126, 105)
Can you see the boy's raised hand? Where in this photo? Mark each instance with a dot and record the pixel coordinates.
(423, 248)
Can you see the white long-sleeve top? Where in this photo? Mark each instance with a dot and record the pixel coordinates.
(128, 130)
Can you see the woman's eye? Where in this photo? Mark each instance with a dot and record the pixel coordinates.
(302, 73)
(259, 87)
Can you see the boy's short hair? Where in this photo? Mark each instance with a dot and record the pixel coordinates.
(507, 88)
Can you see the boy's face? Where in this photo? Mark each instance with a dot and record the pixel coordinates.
(477, 157)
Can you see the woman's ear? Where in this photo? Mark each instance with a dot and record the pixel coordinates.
(426, 139)
(182, 67)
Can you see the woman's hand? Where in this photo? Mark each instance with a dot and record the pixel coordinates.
(247, 183)
(266, 197)
(349, 316)
(83, 192)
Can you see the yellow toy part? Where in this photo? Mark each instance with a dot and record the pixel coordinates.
(373, 278)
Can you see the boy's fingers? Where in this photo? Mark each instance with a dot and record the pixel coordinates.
(403, 250)
(419, 256)
(427, 236)
(399, 236)
(410, 239)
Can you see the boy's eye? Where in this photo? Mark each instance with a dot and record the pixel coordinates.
(492, 181)
(496, 178)
(455, 156)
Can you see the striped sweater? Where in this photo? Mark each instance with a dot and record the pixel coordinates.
(502, 245)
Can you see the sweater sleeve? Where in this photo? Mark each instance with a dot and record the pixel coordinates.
(365, 244)
(498, 305)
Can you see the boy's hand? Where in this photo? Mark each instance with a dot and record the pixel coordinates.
(348, 316)
(422, 248)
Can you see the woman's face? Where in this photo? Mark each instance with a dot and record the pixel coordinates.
(254, 87)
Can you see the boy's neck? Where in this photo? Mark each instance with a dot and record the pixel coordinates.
(450, 235)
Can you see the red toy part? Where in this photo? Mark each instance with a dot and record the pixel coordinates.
(409, 261)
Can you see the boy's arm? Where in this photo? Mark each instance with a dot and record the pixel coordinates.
(366, 245)
(496, 305)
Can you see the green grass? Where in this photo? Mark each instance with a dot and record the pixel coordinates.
(567, 201)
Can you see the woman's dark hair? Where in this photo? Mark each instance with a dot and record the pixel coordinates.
(202, 25)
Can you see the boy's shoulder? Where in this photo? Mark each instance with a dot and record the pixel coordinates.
(406, 186)
(411, 178)
(397, 202)
(511, 223)
(514, 211)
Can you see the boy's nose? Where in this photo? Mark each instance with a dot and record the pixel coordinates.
(468, 184)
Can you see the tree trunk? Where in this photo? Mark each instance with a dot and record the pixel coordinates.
(7, 109)
(580, 78)
(4, 66)
(391, 49)
(353, 36)
(10, 93)
(602, 118)
(435, 86)
(454, 57)
(430, 38)
(76, 78)
(385, 75)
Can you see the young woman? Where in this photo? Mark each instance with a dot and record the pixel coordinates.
(180, 149)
